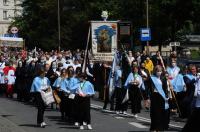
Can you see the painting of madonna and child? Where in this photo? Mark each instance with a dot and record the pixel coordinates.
(104, 36)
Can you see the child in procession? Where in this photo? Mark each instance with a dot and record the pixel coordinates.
(84, 92)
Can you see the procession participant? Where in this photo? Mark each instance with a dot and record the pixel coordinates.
(192, 123)
(52, 73)
(189, 79)
(90, 72)
(40, 83)
(159, 109)
(134, 84)
(118, 91)
(149, 65)
(78, 72)
(144, 73)
(85, 91)
(156, 59)
(60, 59)
(176, 79)
(143, 56)
(2, 79)
(40, 63)
(71, 82)
(59, 68)
(29, 74)
(138, 58)
(48, 60)
(60, 85)
(173, 56)
(106, 68)
(53, 56)
(19, 80)
(130, 57)
(98, 79)
(9, 72)
(76, 64)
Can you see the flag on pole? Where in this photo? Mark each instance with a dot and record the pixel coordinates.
(86, 54)
(111, 75)
(126, 69)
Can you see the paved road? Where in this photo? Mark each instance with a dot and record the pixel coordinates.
(21, 117)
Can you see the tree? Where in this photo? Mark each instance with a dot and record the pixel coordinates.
(39, 24)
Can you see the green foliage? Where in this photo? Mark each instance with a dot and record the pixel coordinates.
(168, 19)
(195, 54)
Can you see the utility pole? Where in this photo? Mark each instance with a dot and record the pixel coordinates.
(147, 20)
(59, 38)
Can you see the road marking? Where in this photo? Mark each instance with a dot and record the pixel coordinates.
(149, 121)
(119, 117)
(138, 125)
(95, 106)
(138, 118)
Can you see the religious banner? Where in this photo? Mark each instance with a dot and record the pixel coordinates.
(11, 42)
(104, 40)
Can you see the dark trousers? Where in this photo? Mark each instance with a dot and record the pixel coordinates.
(160, 117)
(41, 108)
(135, 98)
(76, 109)
(120, 94)
(84, 110)
(112, 98)
(63, 103)
(70, 110)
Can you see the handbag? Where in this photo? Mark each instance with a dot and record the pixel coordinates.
(47, 96)
(56, 97)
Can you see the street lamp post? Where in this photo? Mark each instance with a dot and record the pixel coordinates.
(147, 17)
(59, 38)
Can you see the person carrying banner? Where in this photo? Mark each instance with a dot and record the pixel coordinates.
(106, 77)
(40, 83)
(176, 79)
(135, 84)
(159, 109)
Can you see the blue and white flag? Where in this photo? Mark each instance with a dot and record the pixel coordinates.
(111, 75)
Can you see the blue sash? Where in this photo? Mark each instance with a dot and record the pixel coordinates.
(172, 70)
(159, 89)
(178, 83)
(190, 76)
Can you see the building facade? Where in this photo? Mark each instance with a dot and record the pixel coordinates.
(9, 9)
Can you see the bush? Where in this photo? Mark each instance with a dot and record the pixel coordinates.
(195, 54)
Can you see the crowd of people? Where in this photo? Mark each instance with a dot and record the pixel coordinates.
(162, 86)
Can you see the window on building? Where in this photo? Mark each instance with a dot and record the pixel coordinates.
(5, 2)
(5, 15)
